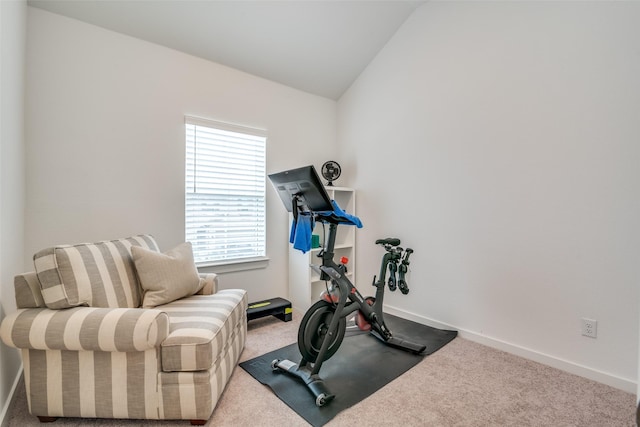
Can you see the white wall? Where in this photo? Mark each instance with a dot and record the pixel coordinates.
(105, 138)
(500, 141)
(13, 19)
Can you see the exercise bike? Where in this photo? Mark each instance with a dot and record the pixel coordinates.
(323, 326)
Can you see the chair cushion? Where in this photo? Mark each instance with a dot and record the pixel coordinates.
(166, 277)
(200, 327)
(93, 274)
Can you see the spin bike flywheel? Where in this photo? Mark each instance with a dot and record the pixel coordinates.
(314, 329)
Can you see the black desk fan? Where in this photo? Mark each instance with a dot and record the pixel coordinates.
(331, 171)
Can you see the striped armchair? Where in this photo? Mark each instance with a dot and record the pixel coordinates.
(90, 350)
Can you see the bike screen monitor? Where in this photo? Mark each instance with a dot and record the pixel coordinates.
(304, 183)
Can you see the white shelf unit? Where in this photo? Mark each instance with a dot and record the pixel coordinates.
(305, 285)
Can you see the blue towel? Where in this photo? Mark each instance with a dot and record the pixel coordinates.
(301, 230)
(352, 219)
(339, 216)
(302, 227)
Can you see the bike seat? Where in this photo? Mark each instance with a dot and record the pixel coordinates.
(388, 241)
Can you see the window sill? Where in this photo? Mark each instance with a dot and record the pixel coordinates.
(233, 265)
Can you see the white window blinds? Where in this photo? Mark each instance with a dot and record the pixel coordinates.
(225, 191)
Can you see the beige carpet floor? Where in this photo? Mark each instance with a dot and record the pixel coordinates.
(463, 384)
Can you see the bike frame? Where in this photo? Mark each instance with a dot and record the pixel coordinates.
(349, 301)
(350, 298)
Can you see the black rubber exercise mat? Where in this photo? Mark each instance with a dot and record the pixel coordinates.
(362, 365)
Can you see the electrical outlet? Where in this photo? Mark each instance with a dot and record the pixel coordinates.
(589, 327)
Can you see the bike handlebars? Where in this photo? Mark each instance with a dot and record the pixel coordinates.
(396, 260)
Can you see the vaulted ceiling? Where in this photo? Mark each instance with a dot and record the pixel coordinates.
(316, 46)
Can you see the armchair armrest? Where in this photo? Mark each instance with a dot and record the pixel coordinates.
(210, 286)
(85, 328)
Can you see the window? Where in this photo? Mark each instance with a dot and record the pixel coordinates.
(225, 192)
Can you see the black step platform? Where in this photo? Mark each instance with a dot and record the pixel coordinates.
(278, 307)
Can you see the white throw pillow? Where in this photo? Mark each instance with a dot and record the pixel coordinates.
(166, 276)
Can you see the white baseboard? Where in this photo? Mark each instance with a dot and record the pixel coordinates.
(4, 421)
(624, 384)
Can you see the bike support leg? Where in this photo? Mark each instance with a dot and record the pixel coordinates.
(309, 372)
